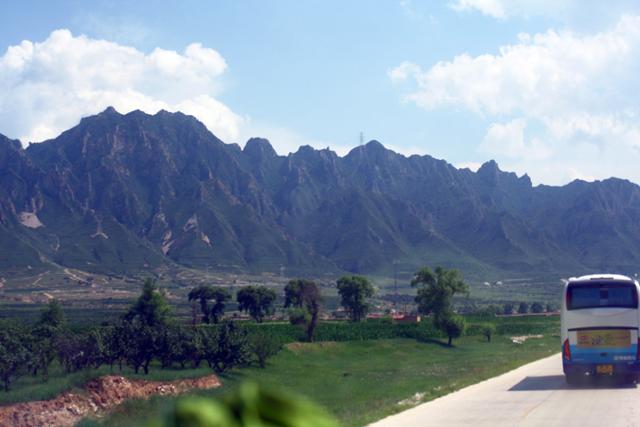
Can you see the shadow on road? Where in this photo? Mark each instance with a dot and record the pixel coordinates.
(557, 382)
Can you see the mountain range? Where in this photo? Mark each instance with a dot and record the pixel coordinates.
(124, 193)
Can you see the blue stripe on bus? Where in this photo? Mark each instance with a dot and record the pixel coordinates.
(595, 355)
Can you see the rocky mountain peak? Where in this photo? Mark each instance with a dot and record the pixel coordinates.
(259, 149)
(489, 167)
(375, 145)
(6, 142)
(110, 111)
(139, 190)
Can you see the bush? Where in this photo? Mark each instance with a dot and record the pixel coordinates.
(488, 329)
(13, 354)
(226, 347)
(263, 347)
(536, 307)
(453, 326)
(523, 308)
(249, 406)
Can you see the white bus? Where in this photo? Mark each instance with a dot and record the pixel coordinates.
(599, 322)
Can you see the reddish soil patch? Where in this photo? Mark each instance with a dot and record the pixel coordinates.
(99, 395)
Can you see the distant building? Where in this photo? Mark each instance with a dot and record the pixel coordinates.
(406, 318)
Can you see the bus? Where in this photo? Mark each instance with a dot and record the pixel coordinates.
(599, 321)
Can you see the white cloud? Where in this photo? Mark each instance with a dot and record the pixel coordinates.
(47, 87)
(504, 9)
(586, 15)
(494, 8)
(404, 71)
(560, 87)
(508, 140)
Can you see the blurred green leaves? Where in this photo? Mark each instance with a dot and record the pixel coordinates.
(249, 406)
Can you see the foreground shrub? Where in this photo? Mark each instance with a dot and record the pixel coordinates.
(249, 406)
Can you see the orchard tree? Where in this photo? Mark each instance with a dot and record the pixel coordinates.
(151, 307)
(70, 352)
(536, 307)
(227, 347)
(53, 315)
(354, 292)
(492, 310)
(182, 345)
(141, 344)
(196, 347)
(258, 301)
(507, 309)
(263, 346)
(203, 294)
(42, 347)
(14, 354)
(95, 346)
(115, 345)
(523, 308)
(43, 338)
(304, 300)
(144, 327)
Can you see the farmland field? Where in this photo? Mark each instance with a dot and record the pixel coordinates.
(398, 373)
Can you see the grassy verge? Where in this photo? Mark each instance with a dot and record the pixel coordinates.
(362, 381)
(28, 387)
(32, 388)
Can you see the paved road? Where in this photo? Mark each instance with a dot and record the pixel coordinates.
(532, 395)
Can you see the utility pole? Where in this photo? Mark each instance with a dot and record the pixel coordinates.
(395, 277)
(395, 284)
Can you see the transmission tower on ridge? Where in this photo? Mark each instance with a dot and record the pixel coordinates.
(395, 282)
(361, 138)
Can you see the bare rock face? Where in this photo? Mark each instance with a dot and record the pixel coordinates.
(98, 397)
(124, 193)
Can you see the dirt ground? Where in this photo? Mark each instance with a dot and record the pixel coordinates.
(98, 396)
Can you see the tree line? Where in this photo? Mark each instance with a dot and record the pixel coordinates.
(519, 308)
(147, 332)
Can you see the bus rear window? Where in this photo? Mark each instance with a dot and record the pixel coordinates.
(602, 294)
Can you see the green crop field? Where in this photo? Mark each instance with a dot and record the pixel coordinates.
(361, 381)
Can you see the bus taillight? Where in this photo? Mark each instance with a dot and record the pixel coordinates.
(566, 350)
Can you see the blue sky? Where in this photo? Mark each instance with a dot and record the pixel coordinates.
(538, 85)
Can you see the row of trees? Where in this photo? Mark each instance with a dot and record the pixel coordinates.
(302, 298)
(147, 332)
(525, 308)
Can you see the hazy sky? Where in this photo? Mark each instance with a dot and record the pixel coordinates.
(544, 87)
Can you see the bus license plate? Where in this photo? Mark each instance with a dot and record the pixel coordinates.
(604, 338)
(604, 369)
